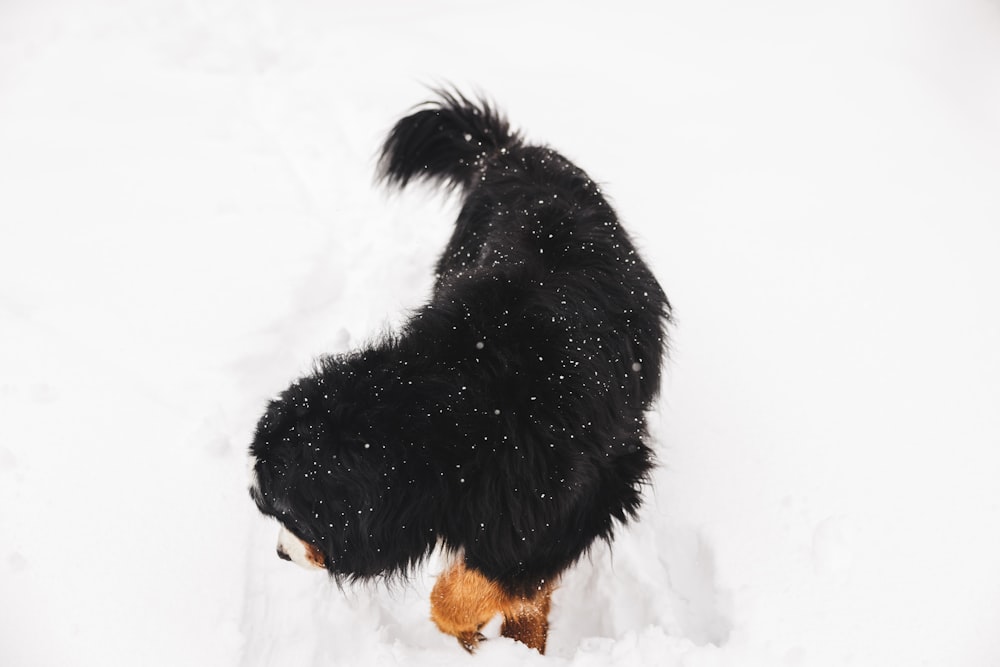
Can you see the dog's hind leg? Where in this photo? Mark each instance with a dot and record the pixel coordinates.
(463, 601)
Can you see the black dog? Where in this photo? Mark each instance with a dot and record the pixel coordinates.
(506, 420)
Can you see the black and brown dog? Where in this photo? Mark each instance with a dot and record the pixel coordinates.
(506, 420)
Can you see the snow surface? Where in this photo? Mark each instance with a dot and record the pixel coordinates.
(188, 218)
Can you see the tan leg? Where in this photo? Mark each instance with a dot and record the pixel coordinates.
(527, 620)
(463, 601)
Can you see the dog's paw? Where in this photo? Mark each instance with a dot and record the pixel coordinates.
(470, 640)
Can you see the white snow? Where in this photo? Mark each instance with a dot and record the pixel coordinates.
(188, 218)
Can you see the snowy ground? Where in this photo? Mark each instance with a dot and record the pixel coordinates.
(187, 218)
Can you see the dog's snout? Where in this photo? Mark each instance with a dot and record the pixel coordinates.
(282, 555)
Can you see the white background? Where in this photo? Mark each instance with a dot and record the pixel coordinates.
(187, 218)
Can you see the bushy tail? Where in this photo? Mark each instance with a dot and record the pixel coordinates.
(447, 139)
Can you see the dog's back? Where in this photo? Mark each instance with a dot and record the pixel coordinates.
(568, 329)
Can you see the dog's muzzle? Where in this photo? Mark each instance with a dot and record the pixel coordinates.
(293, 549)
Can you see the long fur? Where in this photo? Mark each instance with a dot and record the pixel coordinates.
(506, 418)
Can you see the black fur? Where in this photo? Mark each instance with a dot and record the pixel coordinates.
(506, 418)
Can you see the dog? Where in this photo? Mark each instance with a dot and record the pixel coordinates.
(505, 421)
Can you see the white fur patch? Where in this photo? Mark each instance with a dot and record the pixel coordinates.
(252, 473)
(293, 547)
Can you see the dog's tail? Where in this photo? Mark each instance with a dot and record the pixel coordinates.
(447, 139)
